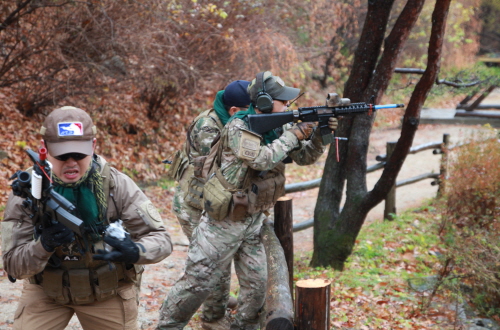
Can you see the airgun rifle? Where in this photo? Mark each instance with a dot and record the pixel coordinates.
(335, 106)
(43, 202)
(45, 205)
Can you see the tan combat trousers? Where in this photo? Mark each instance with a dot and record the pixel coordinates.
(37, 311)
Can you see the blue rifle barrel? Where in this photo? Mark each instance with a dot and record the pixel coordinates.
(388, 106)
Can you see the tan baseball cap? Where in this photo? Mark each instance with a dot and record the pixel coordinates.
(68, 129)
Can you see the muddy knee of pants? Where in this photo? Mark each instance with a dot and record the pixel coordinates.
(182, 302)
(187, 295)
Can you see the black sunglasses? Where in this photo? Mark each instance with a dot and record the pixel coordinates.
(75, 155)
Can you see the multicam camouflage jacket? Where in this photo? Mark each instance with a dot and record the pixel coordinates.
(244, 149)
(202, 132)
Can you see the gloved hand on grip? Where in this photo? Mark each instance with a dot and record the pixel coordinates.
(333, 123)
(56, 235)
(124, 250)
(303, 130)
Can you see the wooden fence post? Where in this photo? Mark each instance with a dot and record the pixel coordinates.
(312, 304)
(443, 168)
(390, 199)
(283, 227)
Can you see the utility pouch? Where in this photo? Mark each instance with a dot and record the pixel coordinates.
(178, 166)
(216, 198)
(194, 194)
(133, 274)
(198, 163)
(239, 206)
(105, 281)
(53, 285)
(264, 193)
(80, 287)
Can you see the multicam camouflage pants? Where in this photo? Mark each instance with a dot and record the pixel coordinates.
(215, 305)
(214, 245)
(188, 216)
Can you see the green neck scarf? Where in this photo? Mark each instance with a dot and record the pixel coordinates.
(220, 109)
(268, 137)
(87, 194)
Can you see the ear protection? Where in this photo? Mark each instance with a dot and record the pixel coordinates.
(264, 101)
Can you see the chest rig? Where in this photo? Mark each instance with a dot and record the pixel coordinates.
(258, 191)
(73, 277)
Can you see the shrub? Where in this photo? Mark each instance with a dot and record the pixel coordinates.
(470, 226)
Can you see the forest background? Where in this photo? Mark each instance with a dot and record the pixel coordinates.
(144, 69)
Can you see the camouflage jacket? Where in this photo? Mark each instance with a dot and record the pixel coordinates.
(202, 132)
(235, 136)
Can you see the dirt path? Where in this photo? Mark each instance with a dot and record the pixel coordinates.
(159, 277)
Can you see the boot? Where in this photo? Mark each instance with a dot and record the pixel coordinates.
(224, 323)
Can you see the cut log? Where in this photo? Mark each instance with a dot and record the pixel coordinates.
(278, 308)
(312, 304)
(283, 227)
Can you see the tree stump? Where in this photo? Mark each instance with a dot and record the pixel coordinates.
(312, 304)
(278, 308)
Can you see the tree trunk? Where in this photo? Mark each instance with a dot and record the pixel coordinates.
(334, 232)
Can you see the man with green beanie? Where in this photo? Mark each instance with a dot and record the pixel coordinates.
(187, 197)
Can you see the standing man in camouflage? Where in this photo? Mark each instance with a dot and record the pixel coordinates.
(200, 135)
(251, 167)
(187, 198)
(64, 273)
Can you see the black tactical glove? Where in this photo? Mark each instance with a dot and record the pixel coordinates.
(56, 235)
(124, 250)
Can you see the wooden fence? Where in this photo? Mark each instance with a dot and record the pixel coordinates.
(390, 201)
(311, 309)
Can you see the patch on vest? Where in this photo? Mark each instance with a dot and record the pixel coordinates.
(249, 145)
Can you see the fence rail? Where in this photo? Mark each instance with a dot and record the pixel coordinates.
(440, 148)
(390, 200)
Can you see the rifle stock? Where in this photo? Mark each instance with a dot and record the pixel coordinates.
(262, 123)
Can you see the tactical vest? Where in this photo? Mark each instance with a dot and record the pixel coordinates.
(258, 193)
(195, 181)
(74, 277)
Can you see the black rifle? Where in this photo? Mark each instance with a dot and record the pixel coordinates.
(45, 204)
(335, 107)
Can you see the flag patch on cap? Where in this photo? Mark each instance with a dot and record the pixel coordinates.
(70, 129)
